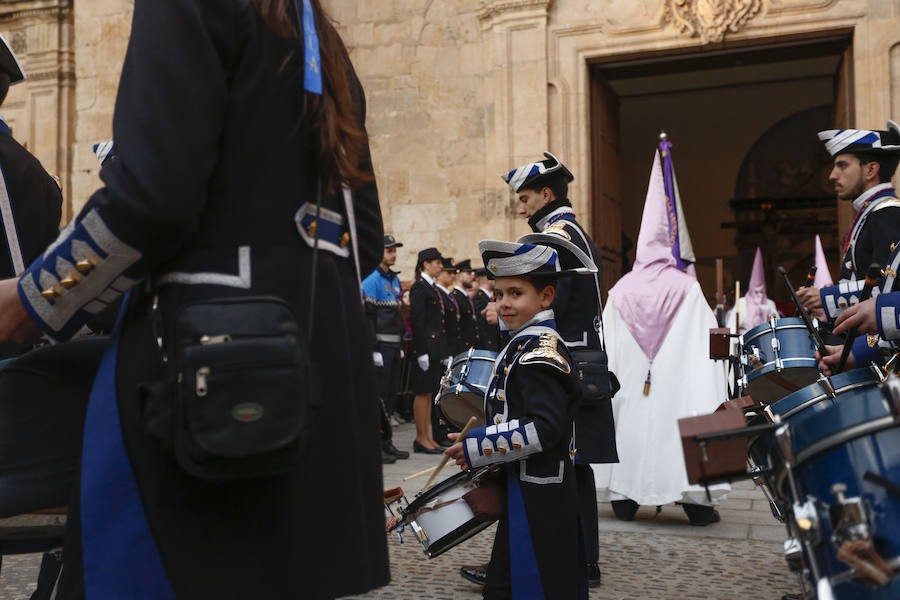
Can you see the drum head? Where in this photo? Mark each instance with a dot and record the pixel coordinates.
(459, 407)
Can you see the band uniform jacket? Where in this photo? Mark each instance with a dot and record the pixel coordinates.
(429, 337)
(872, 235)
(529, 409)
(451, 323)
(35, 205)
(488, 335)
(577, 309)
(202, 204)
(468, 324)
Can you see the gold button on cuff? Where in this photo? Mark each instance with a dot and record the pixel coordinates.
(50, 293)
(84, 266)
(312, 228)
(345, 239)
(70, 281)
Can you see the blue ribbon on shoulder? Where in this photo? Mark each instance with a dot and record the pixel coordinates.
(312, 71)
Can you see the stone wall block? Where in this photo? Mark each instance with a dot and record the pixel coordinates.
(430, 213)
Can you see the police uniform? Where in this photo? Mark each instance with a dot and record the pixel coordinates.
(427, 323)
(877, 222)
(468, 323)
(451, 314)
(529, 407)
(213, 195)
(30, 200)
(488, 335)
(383, 297)
(578, 310)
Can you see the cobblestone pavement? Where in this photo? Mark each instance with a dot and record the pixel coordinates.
(655, 557)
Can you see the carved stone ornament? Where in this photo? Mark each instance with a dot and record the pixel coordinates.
(710, 19)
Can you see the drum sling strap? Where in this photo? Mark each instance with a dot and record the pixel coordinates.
(9, 228)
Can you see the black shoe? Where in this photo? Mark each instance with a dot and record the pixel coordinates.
(417, 447)
(390, 448)
(625, 509)
(701, 516)
(387, 459)
(593, 570)
(444, 442)
(476, 575)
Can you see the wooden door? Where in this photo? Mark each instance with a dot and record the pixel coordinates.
(844, 118)
(606, 180)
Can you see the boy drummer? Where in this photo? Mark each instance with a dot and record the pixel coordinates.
(530, 404)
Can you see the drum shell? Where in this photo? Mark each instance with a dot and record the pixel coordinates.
(796, 350)
(462, 393)
(841, 445)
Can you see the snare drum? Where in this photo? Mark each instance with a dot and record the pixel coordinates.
(846, 458)
(779, 357)
(794, 408)
(464, 386)
(441, 518)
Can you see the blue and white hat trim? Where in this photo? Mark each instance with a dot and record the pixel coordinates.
(517, 177)
(839, 140)
(104, 151)
(510, 259)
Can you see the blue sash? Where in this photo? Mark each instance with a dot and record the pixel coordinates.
(120, 557)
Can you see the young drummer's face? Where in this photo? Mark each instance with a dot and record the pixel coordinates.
(518, 300)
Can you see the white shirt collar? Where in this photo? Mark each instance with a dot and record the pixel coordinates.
(456, 287)
(427, 279)
(488, 292)
(445, 290)
(559, 211)
(858, 203)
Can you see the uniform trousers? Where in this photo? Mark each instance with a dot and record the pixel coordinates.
(587, 504)
(388, 376)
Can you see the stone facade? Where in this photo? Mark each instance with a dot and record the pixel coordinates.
(458, 91)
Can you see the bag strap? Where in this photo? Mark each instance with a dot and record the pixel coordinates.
(587, 245)
(9, 227)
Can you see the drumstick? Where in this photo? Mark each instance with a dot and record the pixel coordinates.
(871, 279)
(737, 311)
(813, 332)
(437, 469)
(420, 473)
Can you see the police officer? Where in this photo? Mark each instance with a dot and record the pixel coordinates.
(541, 190)
(30, 199)
(429, 344)
(383, 297)
(468, 323)
(864, 163)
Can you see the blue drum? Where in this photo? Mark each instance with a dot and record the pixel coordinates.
(464, 385)
(779, 358)
(847, 471)
(793, 408)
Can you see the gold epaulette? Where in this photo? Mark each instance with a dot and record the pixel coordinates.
(546, 353)
(558, 228)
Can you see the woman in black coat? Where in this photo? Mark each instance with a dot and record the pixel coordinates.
(225, 131)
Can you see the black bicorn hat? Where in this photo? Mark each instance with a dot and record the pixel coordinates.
(844, 141)
(391, 242)
(512, 259)
(9, 64)
(464, 265)
(526, 175)
(572, 259)
(426, 255)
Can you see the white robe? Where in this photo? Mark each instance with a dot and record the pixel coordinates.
(742, 309)
(684, 383)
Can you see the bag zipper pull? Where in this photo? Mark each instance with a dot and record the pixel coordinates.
(202, 374)
(208, 340)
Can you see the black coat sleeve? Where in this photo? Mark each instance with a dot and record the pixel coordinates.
(418, 304)
(546, 401)
(885, 232)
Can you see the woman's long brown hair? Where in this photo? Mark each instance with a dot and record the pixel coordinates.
(343, 144)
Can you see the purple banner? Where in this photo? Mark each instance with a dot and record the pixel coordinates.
(665, 152)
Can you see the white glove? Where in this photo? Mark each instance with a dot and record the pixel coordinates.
(446, 361)
(378, 359)
(402, 355)
(423, 362)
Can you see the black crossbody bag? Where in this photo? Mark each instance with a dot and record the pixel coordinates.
(243, 388)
